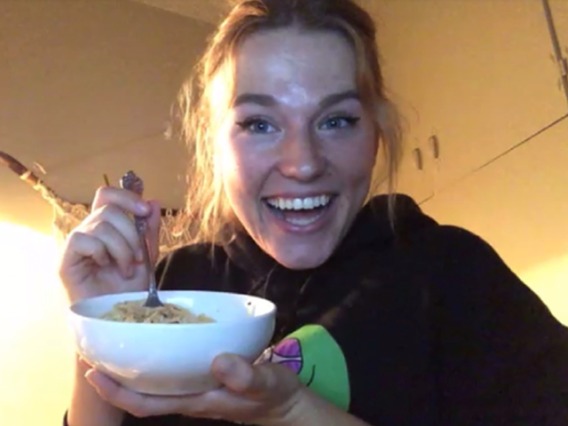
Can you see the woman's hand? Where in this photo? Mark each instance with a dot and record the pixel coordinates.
(254, 394)
(103, 254)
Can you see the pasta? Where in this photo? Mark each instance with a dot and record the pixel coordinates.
(135, 311)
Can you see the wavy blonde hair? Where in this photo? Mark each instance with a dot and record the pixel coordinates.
(207, 213)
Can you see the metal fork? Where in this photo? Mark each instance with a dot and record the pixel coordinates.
(133, 183)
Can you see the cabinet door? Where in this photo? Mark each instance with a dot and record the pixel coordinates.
(415, 175)
(519, 204)
(479, 74)
(559, 11)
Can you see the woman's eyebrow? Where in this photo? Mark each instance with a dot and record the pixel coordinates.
(254, 98)
(335, 98)
(268, 100)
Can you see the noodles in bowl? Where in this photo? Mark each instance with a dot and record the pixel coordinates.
(135, 311)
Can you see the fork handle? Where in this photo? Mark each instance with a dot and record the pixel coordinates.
(134, 183)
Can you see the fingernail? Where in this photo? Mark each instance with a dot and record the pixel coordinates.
(93, 378)
(142, 207)
(89, 375)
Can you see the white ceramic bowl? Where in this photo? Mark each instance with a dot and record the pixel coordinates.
(172, 359)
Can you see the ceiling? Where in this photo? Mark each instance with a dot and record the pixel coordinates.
(87, 89)
(202, 10)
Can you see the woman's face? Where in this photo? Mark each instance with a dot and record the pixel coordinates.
(297, 148)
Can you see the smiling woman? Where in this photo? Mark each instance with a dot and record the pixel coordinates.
(288, 118)
(34, 353)
(299, 132)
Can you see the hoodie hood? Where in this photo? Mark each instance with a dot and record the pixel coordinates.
(302, 293)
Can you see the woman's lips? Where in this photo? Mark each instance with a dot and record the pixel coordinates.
(304, 215)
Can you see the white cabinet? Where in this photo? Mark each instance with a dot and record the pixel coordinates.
(519, 204)
(478, 74)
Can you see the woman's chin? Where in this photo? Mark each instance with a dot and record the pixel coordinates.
(301, 260)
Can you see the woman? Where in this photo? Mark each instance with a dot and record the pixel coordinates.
(393, 319)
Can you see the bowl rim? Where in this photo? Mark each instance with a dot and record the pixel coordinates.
(271, 312)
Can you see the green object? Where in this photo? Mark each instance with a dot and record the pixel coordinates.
(318, 360)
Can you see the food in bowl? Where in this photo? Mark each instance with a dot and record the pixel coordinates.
(135, 311)
(166, 358)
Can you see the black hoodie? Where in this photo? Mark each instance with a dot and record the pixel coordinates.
(424, 322)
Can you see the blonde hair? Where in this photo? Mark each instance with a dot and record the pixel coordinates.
(207, 214)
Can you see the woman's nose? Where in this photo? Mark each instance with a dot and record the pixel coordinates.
(301, 157)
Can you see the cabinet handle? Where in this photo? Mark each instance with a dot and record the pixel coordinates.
(434, 146)
(417, 156)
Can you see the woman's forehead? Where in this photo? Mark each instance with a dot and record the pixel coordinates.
(294, 62)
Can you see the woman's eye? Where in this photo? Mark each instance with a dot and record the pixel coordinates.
(256, 125)
(339, 123)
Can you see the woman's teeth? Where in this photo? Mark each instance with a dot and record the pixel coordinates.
(299, 204)
(299, 211)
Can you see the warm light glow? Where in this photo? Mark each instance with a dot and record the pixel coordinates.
(36, 353)
(220, 91)
(550, 281)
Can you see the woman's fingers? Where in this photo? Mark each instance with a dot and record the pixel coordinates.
(248, 393)
(109, 234)
(117, 246)
(234, 372)
(123, 199)
(121, 223)
(113, 204)
(135, 403)
(215, 404)
(104, 252)
(81, 246)
(241, 377)
(84, 363)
